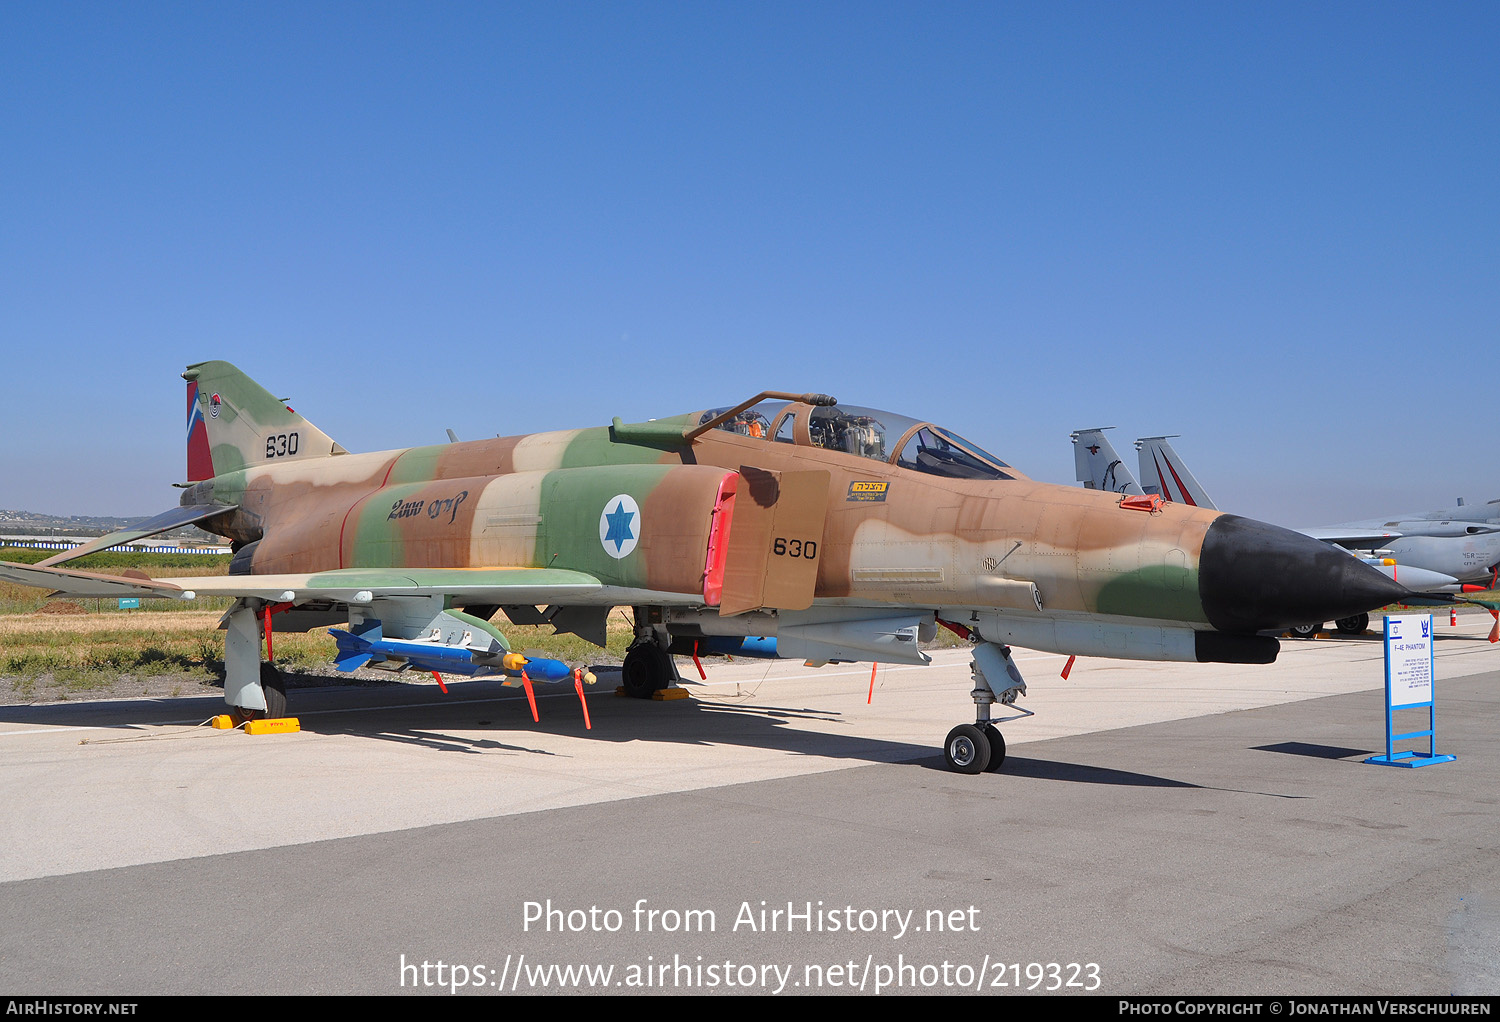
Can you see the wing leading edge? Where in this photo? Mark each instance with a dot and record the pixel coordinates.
(557, 586)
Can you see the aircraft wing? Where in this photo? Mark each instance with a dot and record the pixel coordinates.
(556, 586)
(1346, 536)
(68, 582)
(481, 585)
(176, 518)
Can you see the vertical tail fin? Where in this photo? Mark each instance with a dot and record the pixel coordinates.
(200, 463)
(1099, 466)
(1164, 473)
(234, 423)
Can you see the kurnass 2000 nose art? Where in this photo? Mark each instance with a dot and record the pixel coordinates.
(847, 533)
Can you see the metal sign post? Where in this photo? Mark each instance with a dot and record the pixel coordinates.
(1409, 685)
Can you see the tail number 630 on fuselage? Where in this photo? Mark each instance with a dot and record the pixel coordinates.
(795, 548)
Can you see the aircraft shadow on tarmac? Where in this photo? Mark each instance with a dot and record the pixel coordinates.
(483, 717)
(1082, 773)
(1053, 770)
(480, 716)
(452, 727)
(421, 717)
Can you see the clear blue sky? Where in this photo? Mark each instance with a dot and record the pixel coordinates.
(1271, 228)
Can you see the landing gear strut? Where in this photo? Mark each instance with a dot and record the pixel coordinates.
(977, 747)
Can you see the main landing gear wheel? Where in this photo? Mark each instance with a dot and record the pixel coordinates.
(967, 749)
(1355, 625)
(997, 747)
(647, 669)
(1305, 631)
(273, 684)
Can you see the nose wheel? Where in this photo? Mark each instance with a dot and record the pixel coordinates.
(974, 748)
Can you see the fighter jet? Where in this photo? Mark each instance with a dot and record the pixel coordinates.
(847, 533)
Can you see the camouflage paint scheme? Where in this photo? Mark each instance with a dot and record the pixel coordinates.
(533, 501)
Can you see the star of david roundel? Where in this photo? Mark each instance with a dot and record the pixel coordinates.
(620, 525)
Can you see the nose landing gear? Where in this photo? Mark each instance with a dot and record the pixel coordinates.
(978, 747)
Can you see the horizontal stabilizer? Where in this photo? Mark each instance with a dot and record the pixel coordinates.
(176, 518)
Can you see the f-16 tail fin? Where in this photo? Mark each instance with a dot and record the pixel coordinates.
(234, 423)
(1163, 472)
(1099, 466)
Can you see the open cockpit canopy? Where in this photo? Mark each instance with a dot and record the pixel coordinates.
(867, 433)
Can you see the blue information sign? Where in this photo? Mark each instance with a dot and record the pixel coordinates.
(1409, 685)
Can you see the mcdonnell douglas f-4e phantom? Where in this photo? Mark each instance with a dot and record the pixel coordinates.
(847, 533)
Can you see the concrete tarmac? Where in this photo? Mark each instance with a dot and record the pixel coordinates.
(1172, 829)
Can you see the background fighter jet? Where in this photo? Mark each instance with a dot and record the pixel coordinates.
(1098, 465)
(1428, 552)
(1163, 472)
(1449, 550)
(847, 533)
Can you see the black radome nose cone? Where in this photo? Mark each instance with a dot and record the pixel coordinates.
(1254, 577)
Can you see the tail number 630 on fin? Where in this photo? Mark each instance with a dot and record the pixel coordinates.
(280, 445)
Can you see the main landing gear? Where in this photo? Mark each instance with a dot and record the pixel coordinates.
(253, 688)
(648, 667)
(1354, 625)
(978, 747)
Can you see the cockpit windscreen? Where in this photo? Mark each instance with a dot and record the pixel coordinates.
(870, 433)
